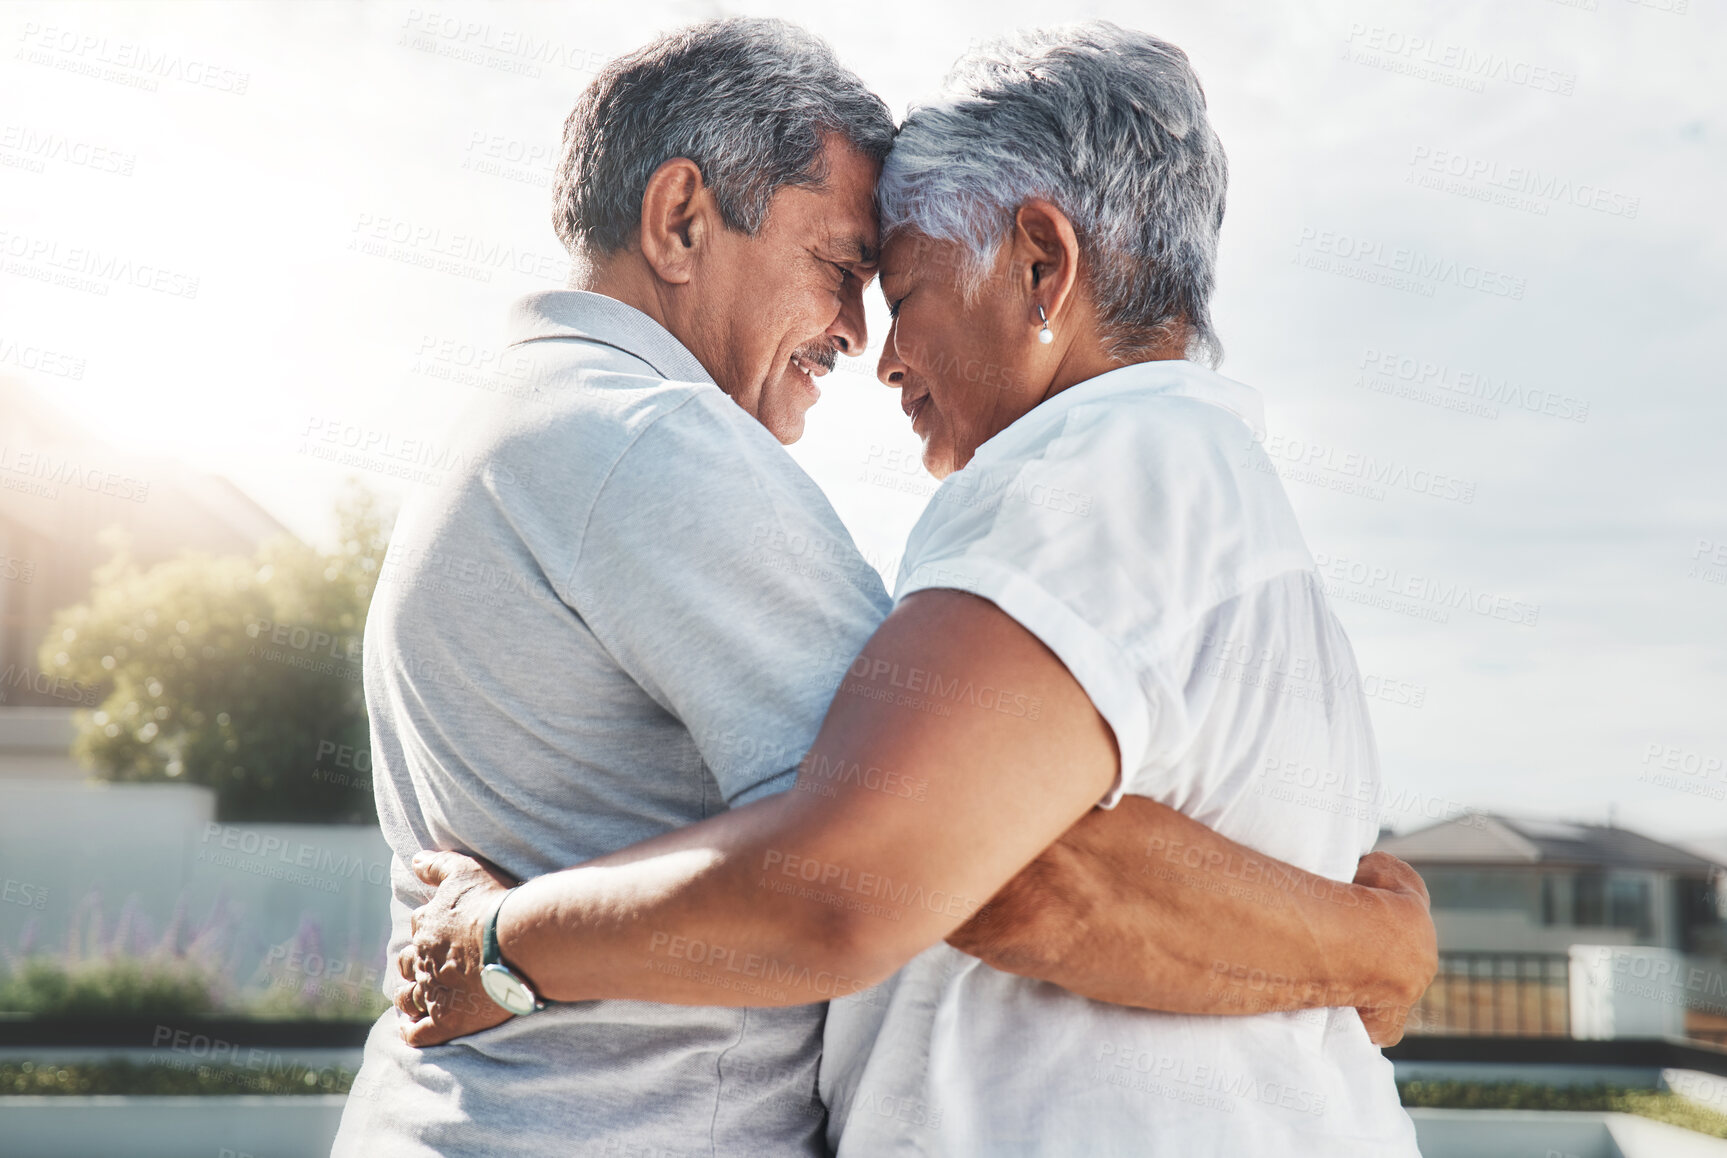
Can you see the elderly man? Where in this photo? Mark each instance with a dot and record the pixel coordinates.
(639, 659)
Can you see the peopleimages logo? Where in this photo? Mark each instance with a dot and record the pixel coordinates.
(36, 149)
(50, 471)
(90, 270)
(465, 254)
(1515, 186)
(714, 961)
(1448, 62)
(271, 855)
(935, 686)
(135, 64)
(16, 677)
(829, 875)
(1709, 561)
(41, 361)
(1301, 458)
(24, 894)
(510, 50)
(1375, 582)
(1402, 266)
(413, 459)
(1460, 388)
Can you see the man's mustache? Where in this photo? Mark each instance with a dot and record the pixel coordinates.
(820, 353)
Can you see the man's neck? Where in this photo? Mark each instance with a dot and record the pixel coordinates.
(622, 279)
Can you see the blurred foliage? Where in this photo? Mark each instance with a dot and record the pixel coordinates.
(122, 987)
(297, 979)
(1661, 1105)
(328, 1002)
(125, 969)
(235, 672)
(176, 1073)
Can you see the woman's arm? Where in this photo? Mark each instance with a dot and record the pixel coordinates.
(830, 887)
(927, 790)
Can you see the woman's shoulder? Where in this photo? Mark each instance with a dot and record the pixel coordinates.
(1147, 435)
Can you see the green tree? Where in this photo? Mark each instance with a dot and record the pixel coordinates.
(240, 673)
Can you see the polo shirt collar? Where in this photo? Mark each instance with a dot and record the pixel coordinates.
(597, 318)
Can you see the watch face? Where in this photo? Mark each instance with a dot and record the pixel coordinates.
(503, 987)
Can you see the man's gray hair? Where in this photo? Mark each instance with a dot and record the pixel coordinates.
(1107, 124)
(750, 101)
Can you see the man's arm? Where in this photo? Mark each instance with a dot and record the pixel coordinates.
(1144, 906)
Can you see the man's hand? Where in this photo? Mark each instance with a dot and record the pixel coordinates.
(1418, 960)
(443, 998)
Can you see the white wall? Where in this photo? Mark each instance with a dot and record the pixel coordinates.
(67, 847)
(1617, 991)
(35, 744)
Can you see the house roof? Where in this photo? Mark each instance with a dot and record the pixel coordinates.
(164, 507)
(1486, 839)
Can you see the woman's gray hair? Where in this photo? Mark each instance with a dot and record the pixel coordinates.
(750, 101)
(1107, 124)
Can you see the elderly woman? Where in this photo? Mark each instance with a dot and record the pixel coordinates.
(1108, 595)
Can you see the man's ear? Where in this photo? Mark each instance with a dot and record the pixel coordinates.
(677, 212)
(1045, 255)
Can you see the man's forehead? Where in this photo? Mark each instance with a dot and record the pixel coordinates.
(849, 242)
(853, 231)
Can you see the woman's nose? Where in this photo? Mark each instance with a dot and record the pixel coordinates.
(890, 369)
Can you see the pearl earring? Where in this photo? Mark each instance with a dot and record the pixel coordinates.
(1044, 335)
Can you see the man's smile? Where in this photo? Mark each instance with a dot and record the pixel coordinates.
(913, 404)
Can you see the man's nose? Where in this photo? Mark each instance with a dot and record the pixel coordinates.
(849, 330)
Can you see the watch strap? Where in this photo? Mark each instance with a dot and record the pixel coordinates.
(517, 995)
(490, 954)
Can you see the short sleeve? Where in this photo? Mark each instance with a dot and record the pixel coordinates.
(1034, 538)
(1099, 667)
(720, 579)
(1106, 532)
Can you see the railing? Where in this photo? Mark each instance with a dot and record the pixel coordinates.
(1706, 1025)
(1497, 995)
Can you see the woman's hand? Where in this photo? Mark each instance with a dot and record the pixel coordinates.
(443, 998)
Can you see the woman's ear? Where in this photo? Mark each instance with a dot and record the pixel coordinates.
(1045, 255)
(677, 211)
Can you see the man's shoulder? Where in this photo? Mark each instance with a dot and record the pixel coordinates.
(589, 384)
(600, 373)
(587, 412)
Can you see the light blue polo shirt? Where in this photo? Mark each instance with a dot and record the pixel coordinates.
(625, 609)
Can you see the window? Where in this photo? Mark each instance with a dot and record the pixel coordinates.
(1589, 900)
(1628, 906)
(1552, 901)
(1600, 901)
(1481, 889)
(1697, 909)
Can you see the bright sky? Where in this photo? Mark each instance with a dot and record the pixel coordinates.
(1538, 180)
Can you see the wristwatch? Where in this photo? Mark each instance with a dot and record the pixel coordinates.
(501, 983)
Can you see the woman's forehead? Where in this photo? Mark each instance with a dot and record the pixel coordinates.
(909, 251)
